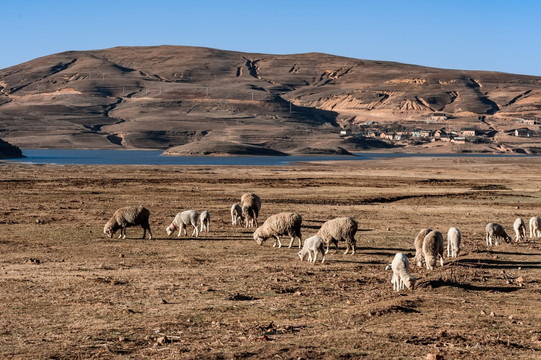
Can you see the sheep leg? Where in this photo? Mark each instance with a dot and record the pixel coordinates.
(277, 242)
(315, 256)
(149, 233)
(180, 228)
(123, 232)
(441, 259)
(291, 242)
(144, 233)
(309, 255)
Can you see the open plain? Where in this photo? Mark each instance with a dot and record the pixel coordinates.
(69, 292)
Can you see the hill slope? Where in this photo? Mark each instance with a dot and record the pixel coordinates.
(185, 98)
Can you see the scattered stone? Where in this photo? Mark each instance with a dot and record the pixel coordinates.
(164, 301)
(434, 357)
(120, 255)
(162, 340)
(298, 293)
(34, 261)
(520, 280)
(483, 312)
(121, 338)
(492, 314)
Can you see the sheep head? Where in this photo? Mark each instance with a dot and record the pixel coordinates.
(257, 236)
(110, 229)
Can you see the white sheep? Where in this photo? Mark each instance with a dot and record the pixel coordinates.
(312, 246)
(251, 205)
(286, 223)
(454, 238)
(495, 231)
(204, 220)
(342, 228)
(418, 243)
(181, 222)
(432, 248)
(126, 217)
(236, 215)
(520, 229)
(401, 276)
(535, 226)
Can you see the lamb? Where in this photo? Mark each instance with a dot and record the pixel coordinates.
(432, 248)
(126, 217)
(418, 242)
(454, 238)
(251, 205)
(343, 228)
(236, 215)
(535, 225)
(520, 229)
(495, 231)
(181, 222)
(401, 276)
(204, 220)
(280, 224)
(312, 246)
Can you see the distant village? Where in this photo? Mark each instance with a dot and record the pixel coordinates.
(415, 136)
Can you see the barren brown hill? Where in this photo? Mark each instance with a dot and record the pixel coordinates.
(198, 100)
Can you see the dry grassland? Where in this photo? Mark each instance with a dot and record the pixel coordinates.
(69, 292)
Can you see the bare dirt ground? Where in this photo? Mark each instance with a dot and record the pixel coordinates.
(69, 292)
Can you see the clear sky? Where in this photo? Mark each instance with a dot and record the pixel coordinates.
(455, 34)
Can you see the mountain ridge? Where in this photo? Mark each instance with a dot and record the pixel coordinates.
(176, 97)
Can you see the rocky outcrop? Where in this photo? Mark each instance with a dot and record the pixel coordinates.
(8, 151)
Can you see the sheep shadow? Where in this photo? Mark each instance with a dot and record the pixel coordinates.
(496, 264)
(434, 284)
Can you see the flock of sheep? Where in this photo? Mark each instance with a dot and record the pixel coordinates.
(429, 244)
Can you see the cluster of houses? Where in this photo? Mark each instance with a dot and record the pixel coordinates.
(462, 136)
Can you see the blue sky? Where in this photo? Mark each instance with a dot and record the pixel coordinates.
(461, 34)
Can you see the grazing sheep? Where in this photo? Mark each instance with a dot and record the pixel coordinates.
(251, 205)
(418, 242)
(343, 228)
(520, 229)
(181, 222)
(312, 246)
(280, 224)
(204, 220)
(495, 231)
(126, 217)
(401, 276)
(535, 225)
(454, 238)
(432, 248)
(236, 215)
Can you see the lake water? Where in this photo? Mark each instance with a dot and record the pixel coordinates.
(154, 157)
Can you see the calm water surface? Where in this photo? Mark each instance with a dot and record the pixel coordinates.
(154, 157)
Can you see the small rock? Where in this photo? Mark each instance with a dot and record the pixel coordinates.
(434, 357)
(164, 301)
(120, 255)
(388, 229)
(298, 293)
(162, 340)
(510, 317)
(483, 312)
(520, 280)
(492, 314)
(121, 338)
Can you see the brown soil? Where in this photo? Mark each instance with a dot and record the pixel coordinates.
(70, 292)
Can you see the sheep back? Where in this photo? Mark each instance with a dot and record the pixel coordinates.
(342, 228)
(432, 247)
(454, 238)
(251, 205)
(286, 223)
(126, 217)
(418, 243)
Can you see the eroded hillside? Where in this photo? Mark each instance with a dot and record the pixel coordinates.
(186, 99)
